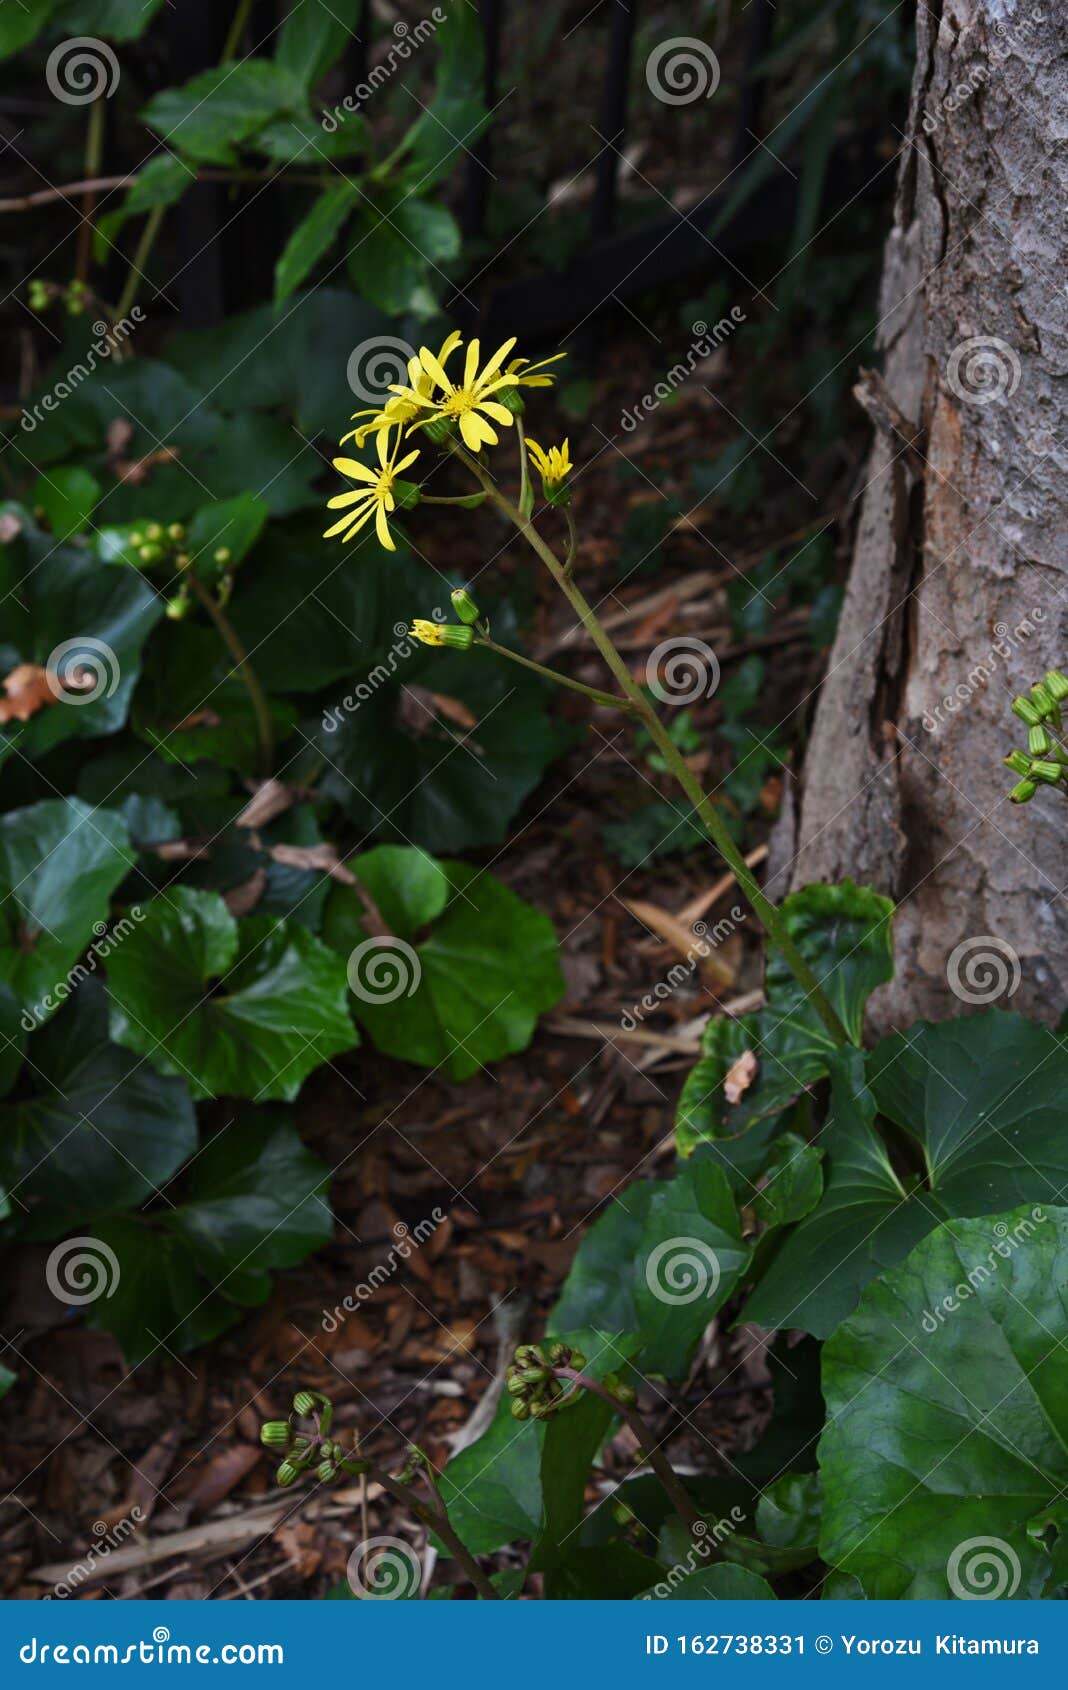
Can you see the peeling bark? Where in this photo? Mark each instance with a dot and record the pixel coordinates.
(959, 585)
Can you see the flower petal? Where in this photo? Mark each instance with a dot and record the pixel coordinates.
(382, 530)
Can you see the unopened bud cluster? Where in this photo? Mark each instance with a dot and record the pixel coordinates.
(304, 1450)
(537, 1389)
(1045, 762)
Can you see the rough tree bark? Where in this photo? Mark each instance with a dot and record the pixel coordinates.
(959, 583)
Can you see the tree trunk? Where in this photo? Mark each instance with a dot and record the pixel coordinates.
(957, 596)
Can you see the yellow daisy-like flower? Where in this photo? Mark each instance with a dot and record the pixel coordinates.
(553, 465)
(376, 498)
(526, 374)
(429, 633)
(469, 403)
(397, 409)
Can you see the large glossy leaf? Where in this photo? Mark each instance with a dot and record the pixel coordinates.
(460, 995)
(254, 1200)
(979, 1105)
(947, 1404)
(94, 1130)
(119, 20)
(843, 932)
(245, 1010)
(63, 612)
(314, 236)
(659, 1263)
(19, 24)
(60, 861)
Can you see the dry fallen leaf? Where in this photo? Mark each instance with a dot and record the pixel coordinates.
(27, 690)
(740, 1076)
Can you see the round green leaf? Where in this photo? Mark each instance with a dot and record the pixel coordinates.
(244, 1010)
(947, 1414)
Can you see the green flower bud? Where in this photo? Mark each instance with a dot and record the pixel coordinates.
(288, 1473)
(626, 1394)
(406, 494)
(137, 539)
(1038, 741)
(440, 430)
(326, 1471)
(456, 635)
(153, 531)
(305, 1403)
(578, 1360)
(533, 1375)
(149, 554)
(516, 1384)
(1057, 684)
(1018, 762)
(1023, 792)
(221, 554)
(1026, 711)
(1049, 773)
(274, 1432)
(464, 605)
(178, 607)
(512, 400)
(520, 1409)
(176, 531)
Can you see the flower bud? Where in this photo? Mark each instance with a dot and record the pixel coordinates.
(153, 531)
(1057, 685)
(1018, 762)
(578, 1360)
(1023, 791)
(520, 1409)
(440, 430)
(443, 633)
(1026, 711)
(464, 605)
(178, 607)
(221, 554)
(326, 1471)
(1038, 741)
(1049, 773)
(288, 1473)
(406, 495)
(149, 554)
(176, 531)
(276, 1432)
(511, 399)
(305, 1402)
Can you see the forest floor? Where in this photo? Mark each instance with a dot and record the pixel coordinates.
(519, 1161)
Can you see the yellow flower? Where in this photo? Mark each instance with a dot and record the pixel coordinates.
(554, 465)
(376, 498)
(469, 404)
(430, 633)
(443, 633)
(398, 409)
(526, 374)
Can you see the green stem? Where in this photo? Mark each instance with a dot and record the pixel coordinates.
(609, 698)
(140, 259)
(676, 1491)
(236, 31)
(438, 1521)
(94, 153)
(715, 827)
(228, 634)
